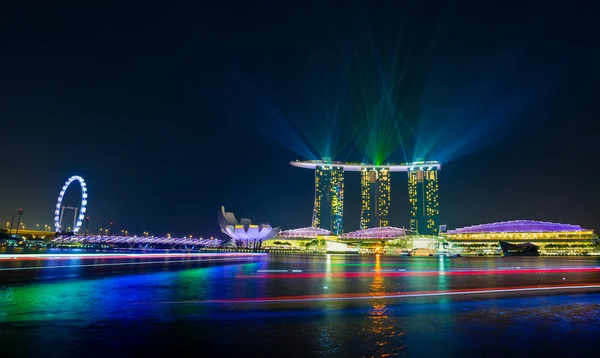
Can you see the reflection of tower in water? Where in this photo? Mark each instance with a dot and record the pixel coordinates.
(382, 330)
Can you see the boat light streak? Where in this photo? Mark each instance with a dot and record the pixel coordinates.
(362, 296)
(118, 256)
(110, 264)
(424, 273)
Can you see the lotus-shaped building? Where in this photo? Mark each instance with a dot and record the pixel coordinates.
(244, 233)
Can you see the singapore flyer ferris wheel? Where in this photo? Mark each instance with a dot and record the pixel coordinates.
(59, 211)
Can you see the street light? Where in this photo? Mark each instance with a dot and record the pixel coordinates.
(11, 223)
(19, 213)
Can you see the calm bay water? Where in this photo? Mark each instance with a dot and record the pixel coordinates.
(298, 306)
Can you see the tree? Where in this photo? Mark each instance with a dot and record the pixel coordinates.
(401, 243)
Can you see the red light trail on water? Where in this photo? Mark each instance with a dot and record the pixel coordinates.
(391, 295)
(112, 264)
(173, 258)
(24, 257)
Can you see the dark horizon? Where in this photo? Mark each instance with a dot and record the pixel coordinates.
(169, 112)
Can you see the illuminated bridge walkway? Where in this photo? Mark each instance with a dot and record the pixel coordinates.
(31, 233)
(133, 241)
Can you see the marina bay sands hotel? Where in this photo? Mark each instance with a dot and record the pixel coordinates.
(328, 211)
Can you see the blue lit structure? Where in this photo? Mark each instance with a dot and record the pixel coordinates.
(58, 212)
(135, 241)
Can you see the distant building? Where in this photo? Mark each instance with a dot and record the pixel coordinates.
(551, 238)
(423, 196)
(375, 195)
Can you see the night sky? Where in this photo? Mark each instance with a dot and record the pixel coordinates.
(170, 111)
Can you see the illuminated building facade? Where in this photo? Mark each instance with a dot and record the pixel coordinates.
(423, 196)
(328, 212)
(375, 195)
(244, 233)
(376, 233)
(304, 233)
(301, 239)
(551, 238)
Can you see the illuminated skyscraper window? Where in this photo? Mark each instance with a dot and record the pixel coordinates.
(375, 194)
(383, 197)
(423, 197)
(328, 212)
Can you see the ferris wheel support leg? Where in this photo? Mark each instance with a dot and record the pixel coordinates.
(62, 211)
(75, 219)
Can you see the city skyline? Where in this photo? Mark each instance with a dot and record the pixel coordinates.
(264, 178)
(167, 123)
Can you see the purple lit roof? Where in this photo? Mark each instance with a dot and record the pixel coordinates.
(516, 226)
(305, 232)
(386, 232)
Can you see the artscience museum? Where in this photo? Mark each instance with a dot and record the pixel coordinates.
(244, 233)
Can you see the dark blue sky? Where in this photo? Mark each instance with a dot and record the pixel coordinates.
(170, 111)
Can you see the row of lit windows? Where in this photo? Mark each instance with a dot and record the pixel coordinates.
(424, 207)
(544, 248)
(521, 236)
(329, 181)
